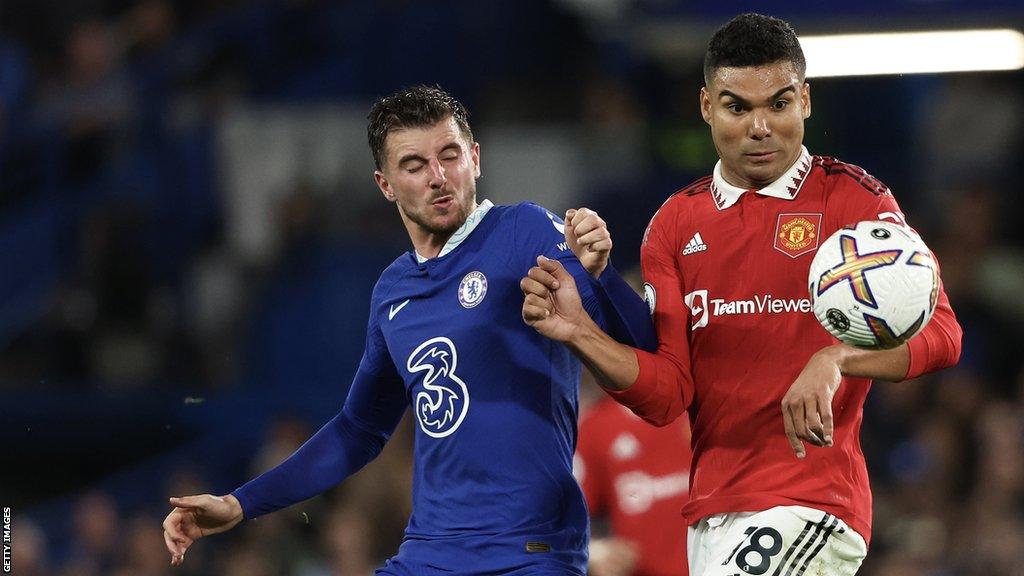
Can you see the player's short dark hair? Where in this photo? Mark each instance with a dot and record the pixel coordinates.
(753, 40)
(415, 107)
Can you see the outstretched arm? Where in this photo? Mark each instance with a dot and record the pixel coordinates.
(340, 448)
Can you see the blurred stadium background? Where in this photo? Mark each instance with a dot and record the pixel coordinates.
(189, 233)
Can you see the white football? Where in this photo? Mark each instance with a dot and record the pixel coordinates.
(874, 284)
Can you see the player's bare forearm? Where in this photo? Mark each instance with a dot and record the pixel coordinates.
(890, 365)
(614, 365)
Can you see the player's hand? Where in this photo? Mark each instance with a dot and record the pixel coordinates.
(551, 303)
(807, 406)
(611, 557)
(196, 516)
(587, 236)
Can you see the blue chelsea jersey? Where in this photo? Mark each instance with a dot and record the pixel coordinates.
(495, 403)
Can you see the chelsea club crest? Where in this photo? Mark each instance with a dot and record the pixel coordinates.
(472, 289)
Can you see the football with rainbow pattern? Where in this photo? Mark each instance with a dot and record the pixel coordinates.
(874, 284)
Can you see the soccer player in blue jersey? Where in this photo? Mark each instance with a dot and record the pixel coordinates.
(495, 402)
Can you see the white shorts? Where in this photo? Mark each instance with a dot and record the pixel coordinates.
(781, 541)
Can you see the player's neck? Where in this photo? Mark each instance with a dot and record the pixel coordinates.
(745, 183)
(426, 244)
(431, 244)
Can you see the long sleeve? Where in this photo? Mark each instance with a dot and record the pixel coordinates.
(609, 300)
(372, 410)
(627, 316)
(340, 448)
(613, 304)
(664, 386)
(938, 345)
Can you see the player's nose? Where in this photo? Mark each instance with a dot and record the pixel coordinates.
(759, 127)
(437, 176)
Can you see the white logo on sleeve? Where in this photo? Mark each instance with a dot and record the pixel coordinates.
(650, 296)
(896, 217)
(697, 302)
(442, 404)
(696, 244)
(472, 289)
(554, 222)
(396, 309)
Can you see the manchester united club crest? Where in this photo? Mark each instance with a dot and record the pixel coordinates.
(472, 289)
(797, 234)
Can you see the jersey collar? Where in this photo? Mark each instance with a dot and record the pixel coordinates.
(786, 187)
(462, 233)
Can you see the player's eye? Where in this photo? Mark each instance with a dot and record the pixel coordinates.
(449, 157)
(735, 107)
(414, 168)
(780, 104)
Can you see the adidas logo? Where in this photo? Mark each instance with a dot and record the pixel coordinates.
(696, 244)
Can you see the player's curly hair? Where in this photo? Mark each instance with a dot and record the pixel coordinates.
(753, 40)
(414, 107)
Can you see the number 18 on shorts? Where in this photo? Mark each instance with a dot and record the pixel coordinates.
(782, 541)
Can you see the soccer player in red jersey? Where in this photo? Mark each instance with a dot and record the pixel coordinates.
(636, 477)
(779, 484)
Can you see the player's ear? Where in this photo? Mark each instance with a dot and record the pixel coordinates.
(705, 104)
(805, 97)
(474, 155)
(384, 185)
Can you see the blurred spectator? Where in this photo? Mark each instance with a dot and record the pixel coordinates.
(93, 103)
(95, 541)
(150, 25)
(636, 480)
(347, 544)
(29, 556)
(142, 554)
(112, 323)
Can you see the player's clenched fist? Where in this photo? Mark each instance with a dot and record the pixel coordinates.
(551, 303)
(587, 236)
(196, 516)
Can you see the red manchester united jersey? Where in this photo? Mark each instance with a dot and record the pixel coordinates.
(638, 477)
(727, 270)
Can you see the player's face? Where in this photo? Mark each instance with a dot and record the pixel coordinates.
(757, 118)
(430, 173)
